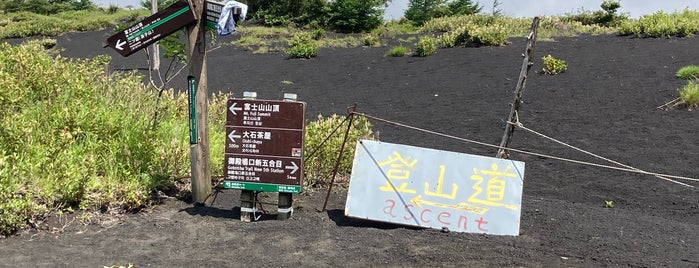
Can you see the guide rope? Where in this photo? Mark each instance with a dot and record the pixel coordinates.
(623, 168)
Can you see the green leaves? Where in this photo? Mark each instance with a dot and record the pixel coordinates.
(426, 46)
(302, 45)
(321, 154)
(72, 135)
(553, 65)
(689, 94)
(688, 72)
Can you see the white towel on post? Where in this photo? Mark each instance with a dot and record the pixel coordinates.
(226, 23)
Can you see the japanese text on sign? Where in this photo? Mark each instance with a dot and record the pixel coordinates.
(436, 189)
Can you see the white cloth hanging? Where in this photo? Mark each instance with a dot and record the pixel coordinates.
(226, 23)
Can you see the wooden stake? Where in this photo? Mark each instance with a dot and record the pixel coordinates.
(247, 205)
(519, 91)
(199, 144)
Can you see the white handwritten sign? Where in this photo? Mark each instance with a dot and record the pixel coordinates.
(436, 189)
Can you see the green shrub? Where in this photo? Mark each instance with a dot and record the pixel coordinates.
(398, 51)
(491, 35)
(112, 9)
(688, 72)
(320, 160)
(317, 34)
(72, 135)
(661, 24)
(302, 45)
(24, 24)
(554, 66)
(427, 45)
(355, 16)
(689, 94)
(370, 40)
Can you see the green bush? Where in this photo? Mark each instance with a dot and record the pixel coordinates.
(606, 17)
(72, 135)
(302, 45)
(24, 24)
(491, 35)
(554, 66)
(427, 45)
(320, 160)
(398, 51)
(661, 24)
(355, 16)
(282, 13)
(317, 34)
(370, 40)
(689, 94)
(45, 7)
(688, 72)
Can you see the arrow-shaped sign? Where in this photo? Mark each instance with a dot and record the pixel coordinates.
(120, 45)
(152, 28)
(233, 108)
(293, 167)
(232, 136)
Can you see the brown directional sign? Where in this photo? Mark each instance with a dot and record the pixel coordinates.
(264, 145)
(152, 29)
(277, 142)
(265, 113)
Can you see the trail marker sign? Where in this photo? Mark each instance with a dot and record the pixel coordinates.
(436, 189)
(264, 145)
(152, 29)
(213, 12)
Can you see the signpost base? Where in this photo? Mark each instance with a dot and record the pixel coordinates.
(284, 209)
(247, 205)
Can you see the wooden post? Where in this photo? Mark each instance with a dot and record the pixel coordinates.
(519, 90)
(155, 55)
(247, 205)
(199, 142)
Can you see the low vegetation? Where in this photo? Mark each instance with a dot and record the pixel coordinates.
(398, 51)
(324, 138)
(688, 72)
(553, 66)
(73, 135)
(24, 23)
(426, 46)
(689, 95)
(661, 24)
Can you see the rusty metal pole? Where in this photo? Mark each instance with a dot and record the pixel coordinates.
(352, 109)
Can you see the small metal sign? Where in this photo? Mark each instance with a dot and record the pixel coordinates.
(213, 12)
(435, 189)
(152, 29)
(264, 145)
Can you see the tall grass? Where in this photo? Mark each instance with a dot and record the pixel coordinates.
(72, 135)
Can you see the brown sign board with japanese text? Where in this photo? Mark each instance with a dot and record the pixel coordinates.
(152, 28)
(264, 145)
